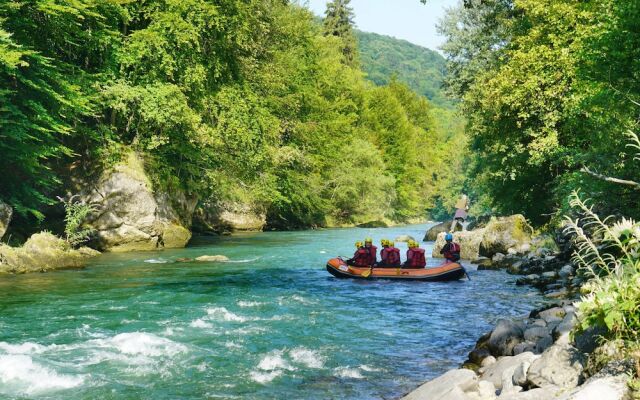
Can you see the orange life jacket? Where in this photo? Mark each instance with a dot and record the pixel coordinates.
(373, 251)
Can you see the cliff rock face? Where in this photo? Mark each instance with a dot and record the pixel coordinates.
(131, 217)
(5, 217)
(214, 217)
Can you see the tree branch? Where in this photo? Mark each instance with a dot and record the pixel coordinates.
(634, 184)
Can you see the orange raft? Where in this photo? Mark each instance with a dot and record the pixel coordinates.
(445, 272)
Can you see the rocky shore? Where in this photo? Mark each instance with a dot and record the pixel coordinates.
(539, 357)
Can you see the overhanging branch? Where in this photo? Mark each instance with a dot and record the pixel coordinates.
(625, 182)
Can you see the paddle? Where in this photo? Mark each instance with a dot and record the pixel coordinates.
(367, 273)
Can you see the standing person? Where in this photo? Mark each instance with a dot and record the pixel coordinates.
(373, 251)
(450, 250)
(390, 255)
(462, 206)
(415, 256)
(360, 257)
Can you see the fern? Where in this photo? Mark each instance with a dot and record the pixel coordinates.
(76, 213)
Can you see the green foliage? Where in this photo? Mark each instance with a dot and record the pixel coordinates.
(246, 101)
(76, 214)
(338, 22)
(384, 58)
(546, 87)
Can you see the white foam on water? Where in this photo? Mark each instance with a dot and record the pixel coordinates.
(274, 361)
(116, 308)
(282, 300)
(22, 348)
(323, 252)
(224, 314)
(20, 374)
(367, 368)
(309, 358)
(242, 303)
(156, 261)
(264, 377)
(248, 260)
(232, 345)
(200, 323)
(142, 343)
(346, 372)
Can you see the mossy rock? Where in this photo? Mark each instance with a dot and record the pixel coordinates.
(373, 224)
(505, 233)
(42, 252)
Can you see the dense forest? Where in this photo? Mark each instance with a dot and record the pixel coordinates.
(247, 101)
(384, 58)
(551, 91)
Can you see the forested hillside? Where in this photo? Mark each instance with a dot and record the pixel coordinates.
(384, 57)
(249, 102)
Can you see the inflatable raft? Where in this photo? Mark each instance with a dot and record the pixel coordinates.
(445, 272)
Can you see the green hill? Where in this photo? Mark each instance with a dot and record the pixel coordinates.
(422, 69)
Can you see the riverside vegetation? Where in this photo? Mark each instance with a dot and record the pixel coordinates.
(209, 112)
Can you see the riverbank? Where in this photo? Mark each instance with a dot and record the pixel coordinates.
(539, 357)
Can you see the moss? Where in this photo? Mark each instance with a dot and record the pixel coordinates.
(175, 236)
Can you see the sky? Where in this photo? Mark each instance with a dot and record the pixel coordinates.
(404, 19)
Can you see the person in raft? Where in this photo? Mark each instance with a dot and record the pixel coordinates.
(373, 251)
(451, 250)
(415, 256)
(389, 255)
(360, 257)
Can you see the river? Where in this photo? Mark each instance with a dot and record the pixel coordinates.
(269, 324)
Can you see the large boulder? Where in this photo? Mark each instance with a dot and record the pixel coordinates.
(42, 252)
(131, 216)
(219, 217)
(469, 244)
(494, 373)
(451, 385)
(504, 337)
(560, 365)
(434, 231)
(604, 388)
(6, 212)
(505, 235)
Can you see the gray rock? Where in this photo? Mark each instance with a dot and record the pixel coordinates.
(539, 322)
(533, 394)
(434, 231)
(483, 263)
(549, 274)
(504, 233)
(524, 347)
(560, 365)
(505, 336)
(6, 212)
(520, 373)
(496, 372)
(557, 294)
(404, 238)
(130, 215)
(215, 216)
(566, 271)
(488, 361)
(607, 388)
(534, 333)
(543, 343)
(552, 314)
(450, 385)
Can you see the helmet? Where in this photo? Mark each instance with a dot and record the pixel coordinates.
(411, 244)
(390, 243)
(384, 242)
(368, 240)
(358, 244)
(448, 237)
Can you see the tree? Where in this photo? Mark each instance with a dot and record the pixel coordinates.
(338, 22)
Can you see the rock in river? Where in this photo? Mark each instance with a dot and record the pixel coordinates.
(5, 217)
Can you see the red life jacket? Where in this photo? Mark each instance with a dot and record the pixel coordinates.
(361, 257)
(373, 251)
(453, 253)
(390, 257)
(415, 258)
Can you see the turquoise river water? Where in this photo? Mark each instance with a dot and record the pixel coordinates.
(269, 324)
